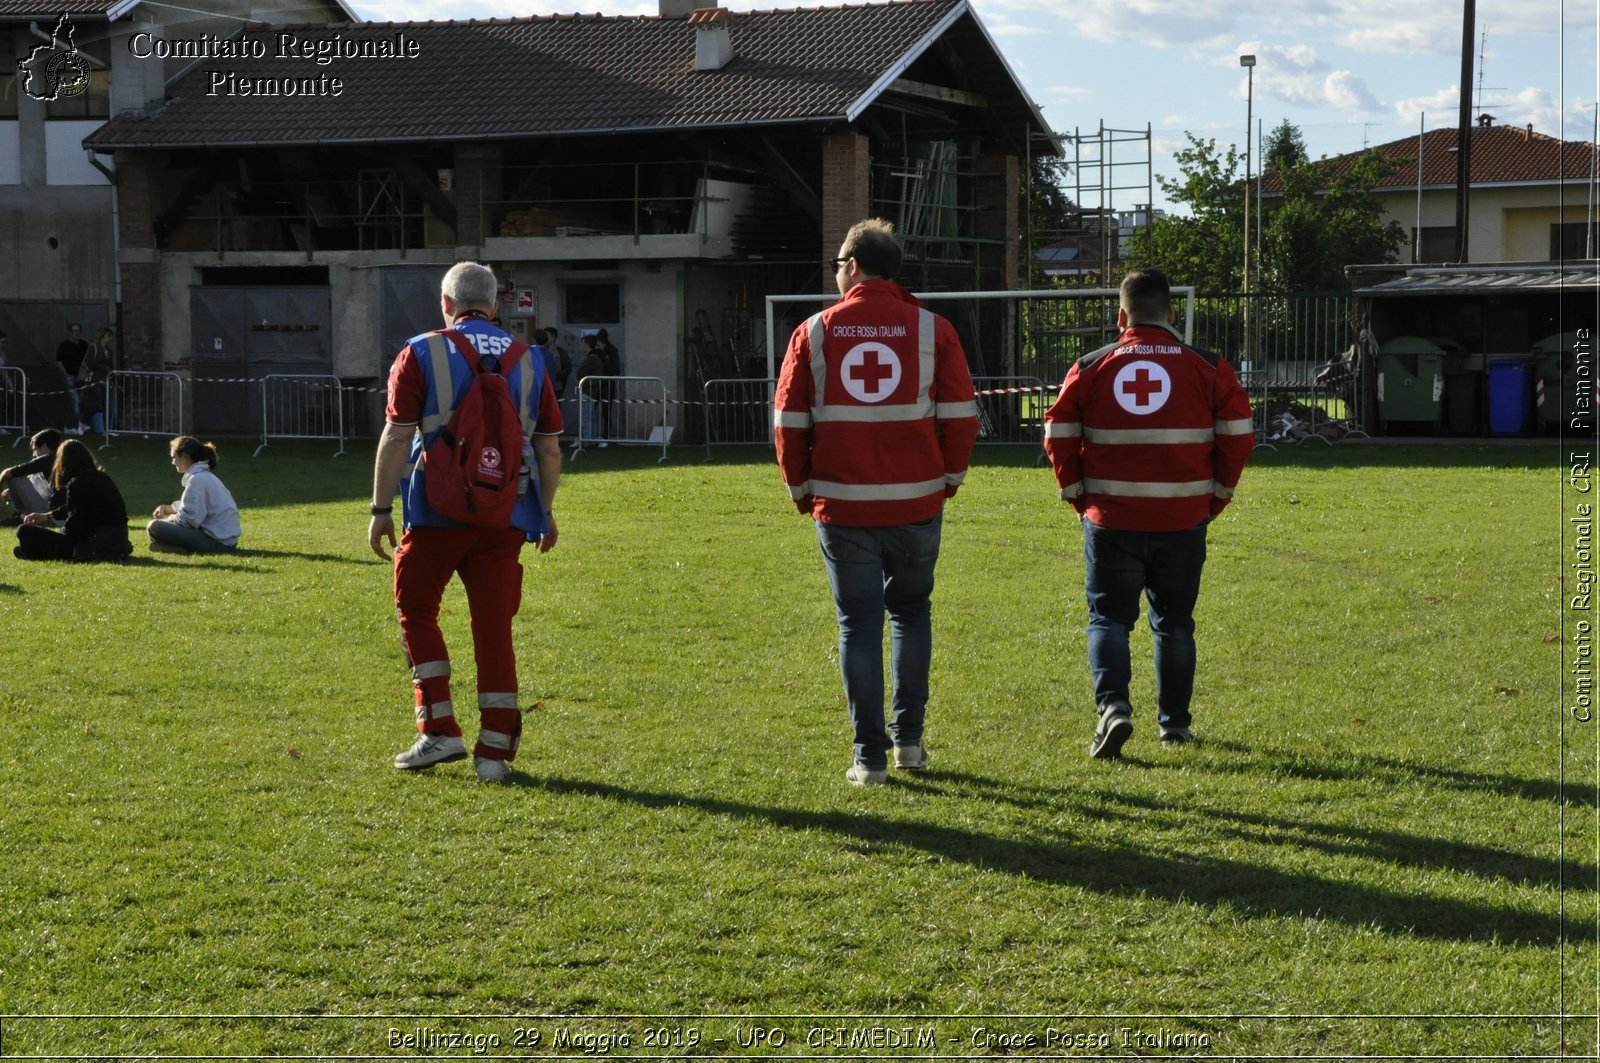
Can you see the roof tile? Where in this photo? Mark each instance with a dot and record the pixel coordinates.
(543, 76)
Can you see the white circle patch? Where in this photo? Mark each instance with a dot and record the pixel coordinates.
(871, 372)
(1142, 387)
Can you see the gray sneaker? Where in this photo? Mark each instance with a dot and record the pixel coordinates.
(1176, 736)
(430, 750)
(491, 770)
(910, 758)
(861, 775)
(1114, 729)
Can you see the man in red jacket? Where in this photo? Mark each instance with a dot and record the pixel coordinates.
(875, 420)
(1148, 439)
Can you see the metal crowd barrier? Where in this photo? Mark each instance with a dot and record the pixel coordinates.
(301, 406)
(140, 403)
(1015, 413)
(622, 409)
(14, 402)
(738, 411)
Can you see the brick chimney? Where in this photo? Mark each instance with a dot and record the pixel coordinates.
(713, 46)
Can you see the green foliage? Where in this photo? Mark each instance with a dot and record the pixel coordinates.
(1284, 148)
(1205, 247)
(1323, 221)
(1384, 818)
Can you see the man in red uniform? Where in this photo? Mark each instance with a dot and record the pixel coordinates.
(875, 420)
(430, 368)
(1148, 439)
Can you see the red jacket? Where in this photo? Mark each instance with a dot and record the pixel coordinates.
(1149, 434)
(874, 415)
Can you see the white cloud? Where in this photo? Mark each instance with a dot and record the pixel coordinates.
(1300, 77)
(1162, 23)
(1443, 102)
(1534, 105)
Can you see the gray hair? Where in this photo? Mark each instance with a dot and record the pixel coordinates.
(469, 284)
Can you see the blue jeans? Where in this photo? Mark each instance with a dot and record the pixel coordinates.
(873, 569)
(1165, 566)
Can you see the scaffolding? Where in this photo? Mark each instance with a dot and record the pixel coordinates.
(1109, 167)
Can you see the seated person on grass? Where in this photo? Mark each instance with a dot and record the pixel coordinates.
(205, 519)
(27, 486)
(93, 516)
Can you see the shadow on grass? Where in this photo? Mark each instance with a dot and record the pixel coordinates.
(1368, 768)
(1393, 847)
(351, 558)
(1171, 874)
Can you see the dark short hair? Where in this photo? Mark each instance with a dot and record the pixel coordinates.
(873, 245)
(1146, 295)
(73, 460)
(49, 438)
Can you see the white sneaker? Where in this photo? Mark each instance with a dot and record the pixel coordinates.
(910, 758)
(429, 750)
(861, 775)
(491, 770)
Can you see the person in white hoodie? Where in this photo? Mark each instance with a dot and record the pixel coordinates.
(206, 519)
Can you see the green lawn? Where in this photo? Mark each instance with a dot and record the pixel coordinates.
(1384, 845)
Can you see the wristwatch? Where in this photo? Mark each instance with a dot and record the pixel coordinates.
(380, 511)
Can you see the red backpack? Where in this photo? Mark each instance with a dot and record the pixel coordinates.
(473, 468)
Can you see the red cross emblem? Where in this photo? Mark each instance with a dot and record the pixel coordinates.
(870, 371)
(1142, 387)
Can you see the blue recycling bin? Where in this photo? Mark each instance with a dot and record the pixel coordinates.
(1510, 396)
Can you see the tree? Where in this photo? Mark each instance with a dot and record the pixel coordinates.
(1284, 148)
(1206, 248)
(1324, 220)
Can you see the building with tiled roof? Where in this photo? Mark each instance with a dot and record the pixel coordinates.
(73, 64)
(655, 176)
(1528, 201)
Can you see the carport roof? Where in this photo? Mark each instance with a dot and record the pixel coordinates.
(1487, 279)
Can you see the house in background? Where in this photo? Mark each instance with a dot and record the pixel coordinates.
(1531, 195)
(58, 233)
(655, 176)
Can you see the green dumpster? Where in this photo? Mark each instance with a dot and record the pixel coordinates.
(1410, 381)
(1549, 355)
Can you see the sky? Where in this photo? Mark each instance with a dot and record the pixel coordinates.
(1348, 73)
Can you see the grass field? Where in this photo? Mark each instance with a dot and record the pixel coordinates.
(1384, 844)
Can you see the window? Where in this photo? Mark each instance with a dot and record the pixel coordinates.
(596, 304)
(1436, 243)
(1574, 239)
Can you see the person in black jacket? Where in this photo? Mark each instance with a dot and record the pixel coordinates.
(27, 486)
(94, 516)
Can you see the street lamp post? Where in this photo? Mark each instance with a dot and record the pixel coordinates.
(1249, 63)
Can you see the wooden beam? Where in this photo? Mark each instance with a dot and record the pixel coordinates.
(926, 91)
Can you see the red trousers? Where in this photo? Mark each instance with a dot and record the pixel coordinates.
(487, 562)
